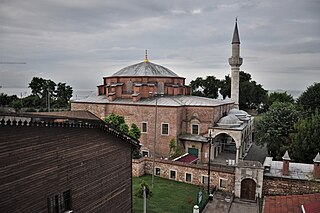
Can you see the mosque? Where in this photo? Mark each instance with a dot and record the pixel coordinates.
(158, 101)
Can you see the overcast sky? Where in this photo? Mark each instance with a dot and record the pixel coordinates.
(80, 42)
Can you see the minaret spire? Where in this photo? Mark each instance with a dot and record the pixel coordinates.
(235, 62)
(235, 38)
(146, 57)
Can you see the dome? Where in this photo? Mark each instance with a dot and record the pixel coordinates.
(229, 121)
(146, 68)
(237, 112)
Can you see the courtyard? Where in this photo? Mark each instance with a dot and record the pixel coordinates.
(168, 196)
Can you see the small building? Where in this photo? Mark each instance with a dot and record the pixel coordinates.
(63, 162)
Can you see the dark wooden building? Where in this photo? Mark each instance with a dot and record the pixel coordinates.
(63, 162)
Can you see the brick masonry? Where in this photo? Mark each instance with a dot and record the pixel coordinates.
(144, 166)
(285, 186)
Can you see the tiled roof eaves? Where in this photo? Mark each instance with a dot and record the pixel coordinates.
(98, 125)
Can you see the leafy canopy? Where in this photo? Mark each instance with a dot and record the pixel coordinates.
(274, 127)
(251, 96)
(310, 99)
(305, 140)
(118, 122)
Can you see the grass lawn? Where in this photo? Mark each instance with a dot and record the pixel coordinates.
(168, 196)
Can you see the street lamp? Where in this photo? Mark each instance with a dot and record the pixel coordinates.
(210, 142)
(155, 137)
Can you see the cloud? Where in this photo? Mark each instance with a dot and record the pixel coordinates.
(79, 42)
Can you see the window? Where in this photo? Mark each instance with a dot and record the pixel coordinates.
(60, 203)
(145, 153)
(158, 171)
(188, 177)
(204, 180)
(67, 200)
(222, 183)
(195, 129)
(144, 127)
(173, 174)
(165, 129)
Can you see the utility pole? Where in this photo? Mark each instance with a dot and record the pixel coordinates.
(155, 140)
(144, 199)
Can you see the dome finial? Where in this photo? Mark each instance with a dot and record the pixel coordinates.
(146, 57)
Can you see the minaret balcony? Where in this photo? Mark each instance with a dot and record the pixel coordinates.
(235, 61)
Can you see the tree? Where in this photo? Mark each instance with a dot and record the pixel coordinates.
(139, 193)
(6, 100)
(134, 131)
(251, 94)
(115, 121)
(225, 87)
(63, 94)
(274, 127)
(310, 99)
(305, 142)
(280, 97)
(36, 86)
(205, 87)
(118, 122)
(172, 145)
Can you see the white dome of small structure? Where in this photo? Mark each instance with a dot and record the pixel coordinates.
(229, 121)
(242, 115)
(238, 112)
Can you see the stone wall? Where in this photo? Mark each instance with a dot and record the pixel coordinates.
(284, 186)
(197, 172)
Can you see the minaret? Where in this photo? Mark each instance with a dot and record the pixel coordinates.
(235, 62)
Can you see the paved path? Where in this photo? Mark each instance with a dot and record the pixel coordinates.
(239, 206)
(220, 205)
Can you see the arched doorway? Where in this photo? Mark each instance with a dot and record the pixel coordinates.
(248, 189)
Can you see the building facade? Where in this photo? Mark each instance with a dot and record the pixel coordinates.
(158, 101)
(63, 163)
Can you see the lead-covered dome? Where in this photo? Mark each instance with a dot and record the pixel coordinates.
(229, 121)
(145, 68)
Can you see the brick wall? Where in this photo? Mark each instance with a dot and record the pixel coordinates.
(98, 110)
(284, 186)
(197, 171)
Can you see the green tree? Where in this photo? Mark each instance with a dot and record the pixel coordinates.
(280, 97)
(7, 100)
(32, 101)
(205, 87)
(251, 94)
(115, 120)
(310, 99)
(225, 87)
(134, 131)
(36, 85)
(274, 127)
(172, 145)
(139, 193)
(63, 94)
(305, 142)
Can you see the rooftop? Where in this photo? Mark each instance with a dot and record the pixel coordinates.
(67, 119)
(182, 100)
(292, 203)
(299, 171)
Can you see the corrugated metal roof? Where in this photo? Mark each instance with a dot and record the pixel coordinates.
(182, 100)
(145, 69)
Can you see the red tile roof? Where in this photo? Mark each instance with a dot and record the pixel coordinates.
(188, 159)
(289, 203)
(313, 207)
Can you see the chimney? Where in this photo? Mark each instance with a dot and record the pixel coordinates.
(285, 165)
(316, 167)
